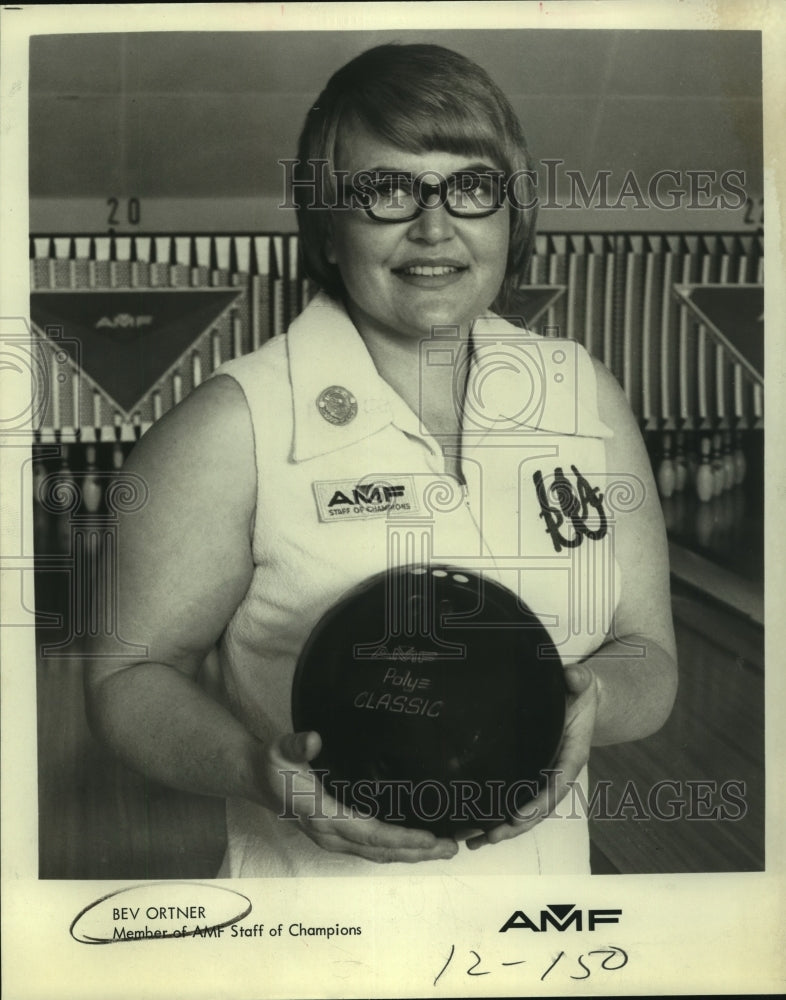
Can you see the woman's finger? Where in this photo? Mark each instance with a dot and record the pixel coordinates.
(375, 834)
(298, 748)
(382, 854)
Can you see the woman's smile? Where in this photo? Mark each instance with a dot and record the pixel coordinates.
(431, 272)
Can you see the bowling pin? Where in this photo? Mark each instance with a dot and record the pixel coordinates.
(118, 457)
(669, 513)
(680, 464)
(693, 461)
(718, 479)
(740, 465)
(704, 476)
(66, 477)
(666, 475)
(705, 522)
(726, 512)
(92, 502)
(739, 507)
(728, 462)
(92, 494)
(680, 509)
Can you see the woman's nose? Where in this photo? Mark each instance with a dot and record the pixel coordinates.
(434, 223)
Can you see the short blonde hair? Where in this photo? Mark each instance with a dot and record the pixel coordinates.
(418, 98)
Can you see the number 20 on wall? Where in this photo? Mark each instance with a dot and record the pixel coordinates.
(133, 212)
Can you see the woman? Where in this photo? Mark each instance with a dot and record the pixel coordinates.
(424, 223)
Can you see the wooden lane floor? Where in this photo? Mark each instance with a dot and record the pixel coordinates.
(98, 820)
(711, 752)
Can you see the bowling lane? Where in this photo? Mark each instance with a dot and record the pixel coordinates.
(98, 820)
(715, 736)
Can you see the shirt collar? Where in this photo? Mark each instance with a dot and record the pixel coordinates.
(521, 379)
(326, 350)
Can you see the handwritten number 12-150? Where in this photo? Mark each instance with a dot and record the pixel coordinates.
(615, 958)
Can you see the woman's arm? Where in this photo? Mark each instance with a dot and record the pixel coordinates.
(636, 670)
(185, 564)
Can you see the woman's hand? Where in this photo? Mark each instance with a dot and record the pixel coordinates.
(299, 797)
(579, 726)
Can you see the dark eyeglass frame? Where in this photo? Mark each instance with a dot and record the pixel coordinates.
(367, 194)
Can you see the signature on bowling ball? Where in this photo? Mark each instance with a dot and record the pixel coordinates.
(407, 654)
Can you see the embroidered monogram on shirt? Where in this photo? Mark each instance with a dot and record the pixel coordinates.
(570, 505)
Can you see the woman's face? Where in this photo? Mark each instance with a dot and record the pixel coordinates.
(377, 260)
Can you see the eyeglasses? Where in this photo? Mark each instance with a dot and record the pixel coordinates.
(400, 196)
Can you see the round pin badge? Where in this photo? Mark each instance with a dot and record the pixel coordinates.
(337, 405)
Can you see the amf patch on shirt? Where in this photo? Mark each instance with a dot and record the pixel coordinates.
(348, 499)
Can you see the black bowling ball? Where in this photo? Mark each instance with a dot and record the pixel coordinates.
(439, 697)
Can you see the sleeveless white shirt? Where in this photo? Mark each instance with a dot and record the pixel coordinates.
(529, 514)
